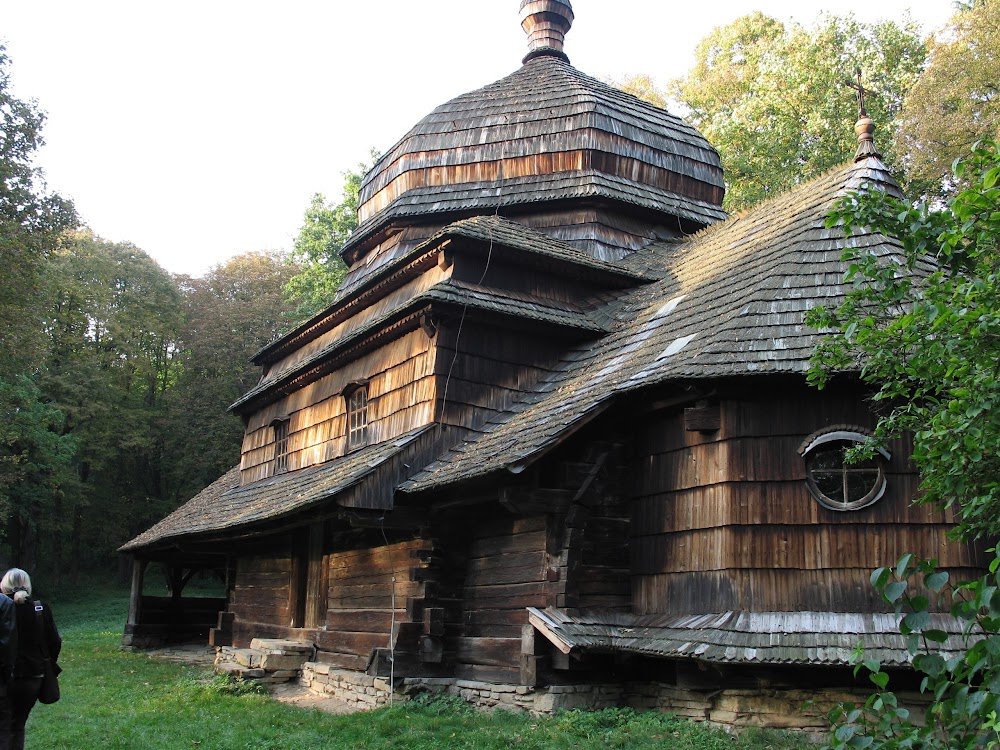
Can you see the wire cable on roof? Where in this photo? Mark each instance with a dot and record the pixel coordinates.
(489, 256)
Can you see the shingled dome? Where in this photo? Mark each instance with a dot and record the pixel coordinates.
(545, 133)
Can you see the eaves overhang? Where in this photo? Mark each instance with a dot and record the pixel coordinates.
(448, 296)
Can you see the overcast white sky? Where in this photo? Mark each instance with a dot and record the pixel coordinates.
(199, 129)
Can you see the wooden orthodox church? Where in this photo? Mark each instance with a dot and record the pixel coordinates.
(551, 444)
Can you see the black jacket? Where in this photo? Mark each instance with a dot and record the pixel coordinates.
(8, 637)
(31, 639)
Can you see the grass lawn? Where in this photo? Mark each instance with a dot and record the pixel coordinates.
(113, 699)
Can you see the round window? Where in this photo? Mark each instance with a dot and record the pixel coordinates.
(833, 481)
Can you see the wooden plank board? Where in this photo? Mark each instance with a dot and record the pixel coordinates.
(361, 620)
(494, 652)
(858, 545)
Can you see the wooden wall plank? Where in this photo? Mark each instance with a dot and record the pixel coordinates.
(725, 521)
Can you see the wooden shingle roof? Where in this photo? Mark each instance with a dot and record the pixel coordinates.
(732, 301)
(544, 133)
(524, 245)
(739, 637)
(224, 504)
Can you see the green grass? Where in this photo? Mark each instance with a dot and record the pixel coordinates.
(114, 699)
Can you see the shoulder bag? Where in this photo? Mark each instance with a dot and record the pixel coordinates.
(49, 692)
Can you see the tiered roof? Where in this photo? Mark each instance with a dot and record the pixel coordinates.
(731, 301)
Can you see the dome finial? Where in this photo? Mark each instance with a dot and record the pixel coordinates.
(546, 23)
(865, 126)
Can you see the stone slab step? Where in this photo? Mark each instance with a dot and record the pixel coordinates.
(280, 646)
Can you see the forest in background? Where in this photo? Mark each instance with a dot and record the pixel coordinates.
(115, 376)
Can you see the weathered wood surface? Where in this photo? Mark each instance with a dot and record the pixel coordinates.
(371, 599)
(504, 570)
(491, 370)
(723, 520)
(358, 303)
(401, 390)
(262, 589)
(564, 122)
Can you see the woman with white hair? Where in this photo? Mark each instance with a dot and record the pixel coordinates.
(37, 639)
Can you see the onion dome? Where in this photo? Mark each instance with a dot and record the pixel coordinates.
(545, 135)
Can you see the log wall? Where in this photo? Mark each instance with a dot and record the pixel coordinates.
(401, 383)
(367, 609)
(261, 598)
(723, 520)
(505, 572)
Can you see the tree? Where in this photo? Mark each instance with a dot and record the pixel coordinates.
(325, 230)
(31, 225)
(642, 86)
(925, 332)
(773, 100)
(112, 321)
(924, 329)
(964, 688)
(956, 102)
(230, 314)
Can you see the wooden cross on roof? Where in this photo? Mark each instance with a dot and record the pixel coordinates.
(864, 127)
(859, 87)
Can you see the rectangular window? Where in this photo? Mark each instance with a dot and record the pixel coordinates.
(357, 418)
(281, 446)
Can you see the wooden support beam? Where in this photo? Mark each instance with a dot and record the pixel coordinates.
(529, 501)
(540, 624)
(397, 518)
(135, 596)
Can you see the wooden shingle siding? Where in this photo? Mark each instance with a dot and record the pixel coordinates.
(401, 398)
(493, 369)
(724, 520)
(355, 322)
(731, 302)
(600, 233)
(383, 255)
(538, 113)
(499, 144)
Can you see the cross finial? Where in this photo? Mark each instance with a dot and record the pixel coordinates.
(860, 88)
(865, 127)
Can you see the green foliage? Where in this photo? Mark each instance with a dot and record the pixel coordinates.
(224, 684)
(956, 101)
(964, 686)
(325, 229)
(772, 97)
(923, 327)
(229, 315)
(36, 458)
(31, 225)
(111, 320)
(33, 457)
(642, 86)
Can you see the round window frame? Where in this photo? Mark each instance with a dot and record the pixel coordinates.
(839, 437)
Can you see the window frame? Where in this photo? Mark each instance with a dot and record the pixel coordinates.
(841, 438)
(279, 463)
(357, 422)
